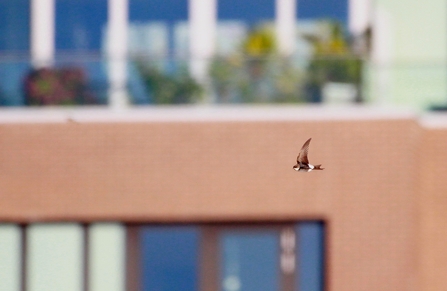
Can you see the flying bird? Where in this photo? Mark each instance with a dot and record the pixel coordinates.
(302, 163)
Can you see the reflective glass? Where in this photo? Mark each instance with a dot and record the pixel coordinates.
(310, 258)
(80, 24)
(170, 258)
(14, 26)
(249, 261)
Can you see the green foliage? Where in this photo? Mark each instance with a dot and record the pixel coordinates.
(260, 42)
(333, 60)
(176, 88)
(256, 74)
(256, 80)
(62, 86)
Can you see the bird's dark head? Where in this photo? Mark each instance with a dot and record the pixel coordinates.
(296, 167)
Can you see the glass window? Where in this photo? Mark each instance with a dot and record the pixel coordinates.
(157, 24)
(14, 26)
(80, 37)
(14, 49)
(249, 261)
(274, 257)
(326, 9)
(236, 18)
(158, 46)
(80, 24)
(249, 11)
(170, 258)
(310, 258)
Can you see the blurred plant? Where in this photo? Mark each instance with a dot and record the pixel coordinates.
(333, 61)
(258, 48)
(260, 42)
(66, 86)
(176, 88)
(256, 73)
(289, 82)
(227, 78)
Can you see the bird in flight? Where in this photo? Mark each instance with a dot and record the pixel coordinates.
(302, 163)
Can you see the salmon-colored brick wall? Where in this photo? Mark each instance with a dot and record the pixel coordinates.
(433, 209)
(236, 170)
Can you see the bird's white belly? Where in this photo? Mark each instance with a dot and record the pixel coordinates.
(311, 167)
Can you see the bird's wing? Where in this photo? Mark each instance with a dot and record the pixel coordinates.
(302, 156)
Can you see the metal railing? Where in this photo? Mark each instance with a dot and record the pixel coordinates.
(84, 80)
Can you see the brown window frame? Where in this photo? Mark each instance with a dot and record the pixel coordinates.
(208, 252)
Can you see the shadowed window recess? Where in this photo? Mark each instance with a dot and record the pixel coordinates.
(278, 257)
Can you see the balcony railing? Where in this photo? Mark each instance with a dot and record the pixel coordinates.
(85, 80)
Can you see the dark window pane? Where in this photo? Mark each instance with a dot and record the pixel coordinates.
(14, 25)
(170, 258)
(160, 10)
(249, 261)
(310, 258)
(11, 82)
(14, 43)
(333, 9)
(156, 26)
(80, 24)
(251, 11)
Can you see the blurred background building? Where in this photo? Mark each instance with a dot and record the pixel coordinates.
(137, 52)
(102, 188)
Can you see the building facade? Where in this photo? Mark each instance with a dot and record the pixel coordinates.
(85, 197)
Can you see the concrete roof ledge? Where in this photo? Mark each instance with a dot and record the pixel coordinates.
(434, 120)
(202, 113)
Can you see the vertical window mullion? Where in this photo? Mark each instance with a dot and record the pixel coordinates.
(133, 257)
(287, 257)
(209, 259)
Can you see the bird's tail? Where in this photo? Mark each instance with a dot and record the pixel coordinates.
(318, 167)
